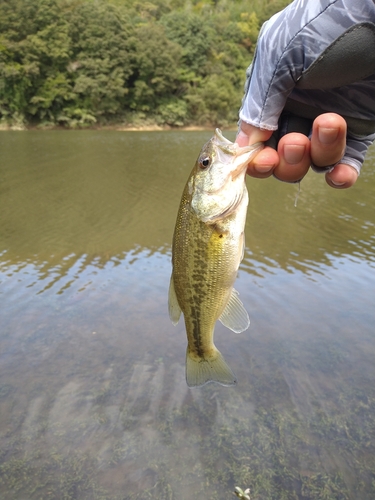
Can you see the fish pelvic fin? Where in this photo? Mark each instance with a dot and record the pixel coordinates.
(173, 305)
(200, 371)
(235, 316)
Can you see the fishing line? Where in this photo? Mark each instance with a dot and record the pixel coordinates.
(297, 195)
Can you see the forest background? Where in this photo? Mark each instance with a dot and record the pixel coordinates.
(88, 63)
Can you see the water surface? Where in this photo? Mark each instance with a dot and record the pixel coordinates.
(93, 399)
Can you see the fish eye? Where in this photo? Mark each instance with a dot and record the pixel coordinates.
(204, 163)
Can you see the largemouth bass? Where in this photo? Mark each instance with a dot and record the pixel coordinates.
(208, 246)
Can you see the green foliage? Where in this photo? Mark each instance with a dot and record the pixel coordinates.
(156, 68)
(249, 28)
(35, 51)
(101, 64)
(195, 36)
(77, 62)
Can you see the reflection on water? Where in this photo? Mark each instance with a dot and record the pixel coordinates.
(93, 400)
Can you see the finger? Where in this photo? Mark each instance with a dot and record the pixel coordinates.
(342, 176)
(294, 155)
(263, 164)
(328, 139)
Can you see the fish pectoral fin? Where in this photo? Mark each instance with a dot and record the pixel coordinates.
(235, 316)
(173, 305)
(200, 371)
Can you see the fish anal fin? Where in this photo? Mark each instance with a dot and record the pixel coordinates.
(200, 371)
(173, 305)
(235, 316)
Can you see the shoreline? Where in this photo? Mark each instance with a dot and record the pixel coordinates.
(116, 127)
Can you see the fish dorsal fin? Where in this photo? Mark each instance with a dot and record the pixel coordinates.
(235, 316)
(173, 305)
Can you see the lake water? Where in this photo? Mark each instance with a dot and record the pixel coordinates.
(93, 399)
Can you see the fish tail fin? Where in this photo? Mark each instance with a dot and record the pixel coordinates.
(200, 371)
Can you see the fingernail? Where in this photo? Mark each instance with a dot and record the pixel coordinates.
(263, 169)
(338, 184)
(242, 139)
(327, 135)
(293, 153)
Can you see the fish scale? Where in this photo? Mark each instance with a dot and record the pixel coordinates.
(206, 252)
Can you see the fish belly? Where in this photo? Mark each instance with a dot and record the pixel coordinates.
(205, 263)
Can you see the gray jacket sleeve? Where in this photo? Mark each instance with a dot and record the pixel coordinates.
(316, 56)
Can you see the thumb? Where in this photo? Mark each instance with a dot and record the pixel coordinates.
(248, 134)
(263, 164)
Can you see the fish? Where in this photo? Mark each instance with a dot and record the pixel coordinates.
(207, 248)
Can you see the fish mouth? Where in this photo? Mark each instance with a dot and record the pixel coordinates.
(233, 149)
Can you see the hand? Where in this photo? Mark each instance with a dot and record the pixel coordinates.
(295, 152)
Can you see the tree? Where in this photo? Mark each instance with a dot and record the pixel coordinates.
(156, 62)
(194, 35)
(76, 62)
(35, 49)
(101, 60)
